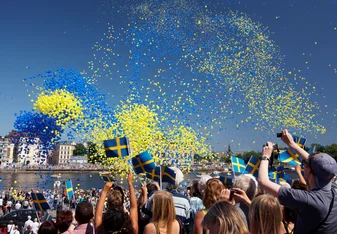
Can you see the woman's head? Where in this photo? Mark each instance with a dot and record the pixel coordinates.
(195, 189)
(163, 210)
(116, 221)
(116, 198)
(163, 207)
(48, 227)
(63, 220)
(223, 217)
(212, 192)
(265, 215)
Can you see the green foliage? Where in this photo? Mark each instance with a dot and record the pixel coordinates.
(332, 150)
(228, 160)
(329, 149)
(246, 156)
(80, 150)
(93, 156)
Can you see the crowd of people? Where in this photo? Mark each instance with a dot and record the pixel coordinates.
(251, 205)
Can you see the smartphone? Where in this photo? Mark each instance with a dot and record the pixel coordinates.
(231, 196)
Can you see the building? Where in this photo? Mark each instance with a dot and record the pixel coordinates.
(30, 151)
(6, 151)
(63, 153)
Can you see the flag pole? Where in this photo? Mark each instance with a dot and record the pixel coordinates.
(160, 175)
(37, 215)
(233, 168)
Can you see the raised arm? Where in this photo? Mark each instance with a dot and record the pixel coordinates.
(298, 170)
(100, 204)
(288, 140)
(143, 194)
(263, 178)
(133, 203)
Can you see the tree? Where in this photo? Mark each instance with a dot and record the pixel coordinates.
(332, 150)
(246, 156)
(80, 150)
(93, 156)
(319, 147)
(197, 158)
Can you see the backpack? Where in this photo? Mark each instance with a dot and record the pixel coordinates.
(181, 227)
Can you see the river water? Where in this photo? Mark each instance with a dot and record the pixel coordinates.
(84, 180)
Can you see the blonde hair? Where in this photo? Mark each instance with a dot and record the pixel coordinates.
(212, 192)
(265, 215)
(229, 218)
(164, 213)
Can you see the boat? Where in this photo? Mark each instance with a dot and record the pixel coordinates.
(55, 176)
(215, 173)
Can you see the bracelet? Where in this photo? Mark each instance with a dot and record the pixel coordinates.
(265, 158)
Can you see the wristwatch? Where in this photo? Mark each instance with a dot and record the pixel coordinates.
(265, 158)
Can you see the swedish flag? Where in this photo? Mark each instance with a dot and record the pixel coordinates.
(313, 149)
(69, 189)
(280, 172)
(290, 157)
(154, 174)
(238, 164)
(143, 163)
(107, 177)
(287, 179)
(272, 173)
(227, 181)
(47, 217)
(252, 166)
(300, 141)
(39, 201)
(168, 175)
(118, 147)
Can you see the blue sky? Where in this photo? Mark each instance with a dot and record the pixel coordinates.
(43, 35)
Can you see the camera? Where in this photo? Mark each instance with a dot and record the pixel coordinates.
(232, 194)
(275, 153)
(279, 134)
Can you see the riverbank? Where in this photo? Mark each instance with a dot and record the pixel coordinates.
(23, 170)
(75, 170)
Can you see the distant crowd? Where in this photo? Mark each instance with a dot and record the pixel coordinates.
(50, 167)
(251, 205)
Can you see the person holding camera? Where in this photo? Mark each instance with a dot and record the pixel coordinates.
(215, 191)
(317, 208)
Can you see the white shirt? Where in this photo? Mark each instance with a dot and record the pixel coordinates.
(17, 206)
(35, 227)
(10, 228)
(28, 222)
(15, 232)
(1, 201)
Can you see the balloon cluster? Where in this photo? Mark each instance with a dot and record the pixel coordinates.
(146, 133)
(59, 104)
(193, 63)
(32, 125)
(68, 101)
